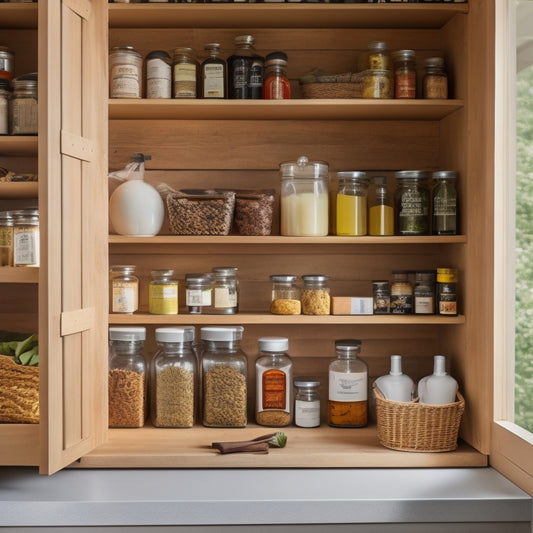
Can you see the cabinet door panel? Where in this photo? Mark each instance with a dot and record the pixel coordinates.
(73, 288)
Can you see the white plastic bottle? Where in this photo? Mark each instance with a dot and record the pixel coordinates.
(438, 388)
(395, 385)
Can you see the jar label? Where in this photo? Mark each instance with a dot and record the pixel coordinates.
(158, 79)
(3, 116)
(26, 248)
(307, 414)
(274, 389)
(424, 305)
(163, 299)
(124, 297)
(348, 387)
(224, 298)
(213, 81)
(184, 80)
(194, 297)
(125, 82)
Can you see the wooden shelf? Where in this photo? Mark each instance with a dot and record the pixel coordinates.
(304, 109)
(19, 444)
(18, 16)
(19, 275)
(19, 189)
(267, 318)
(15, 145)
(322, 447)
(283, 15)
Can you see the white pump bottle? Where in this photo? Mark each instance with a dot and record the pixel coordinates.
(438, 388)
(395, 385)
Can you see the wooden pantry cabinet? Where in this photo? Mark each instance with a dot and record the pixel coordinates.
(239, 144)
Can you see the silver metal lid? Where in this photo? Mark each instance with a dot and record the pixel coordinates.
(444, 175)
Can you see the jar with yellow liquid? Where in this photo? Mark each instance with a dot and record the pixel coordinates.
(352, 197)
(381, 208)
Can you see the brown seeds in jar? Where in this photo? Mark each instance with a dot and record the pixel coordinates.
(127, 398)
(286, 307)
(315, 302)
(174, 397)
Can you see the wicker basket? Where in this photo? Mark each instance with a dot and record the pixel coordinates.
(19, 392)
(418, 427)
(348, 89)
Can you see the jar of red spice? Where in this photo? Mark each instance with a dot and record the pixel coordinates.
(276, 85)
(404, 74)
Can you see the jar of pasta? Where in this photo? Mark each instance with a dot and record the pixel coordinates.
(285, 295)
(315, 295)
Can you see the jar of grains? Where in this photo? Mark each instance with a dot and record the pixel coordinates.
(225, 291)
(124, 289)
(185, 69)
(163, 293)
(306, 403)
(352, 209)
(23, 105)
(285, 295)
(378, 55)
(224, 377)
(273, 378)
(6, 238)
(198, 293)
(412, 202)
(26, 238)
(348, 384)
(435, 83)
(5, 96)
(173, 379)
(401, 299)
(315, 295)
(127, 380)
(125, 73)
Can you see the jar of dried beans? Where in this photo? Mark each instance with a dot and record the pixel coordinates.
(173, 379)
(285, 295)
(224, 377)
(127, 380)
(315, 295)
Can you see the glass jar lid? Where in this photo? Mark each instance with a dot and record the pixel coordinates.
(172, 335)
(200, 279)
(222, 333)
(315, 278)
(352, 175)
(6, 219)
(127, 334)
(306, 383)
(303, 168)
(444, 175)
(276, 58)
(283, 278)
(434, 62)
(158, 54)
(378, 46)
(162, 273)
(225, 272)
(122, 269)
(403, 55)
(411, 174)
(348, 345)
(244, 39)
(273, 344)
(126, 50)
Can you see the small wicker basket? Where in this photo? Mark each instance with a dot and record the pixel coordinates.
(19, 392)
(418, 427)
(349, 89)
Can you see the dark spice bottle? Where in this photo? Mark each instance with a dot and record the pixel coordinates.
(213, 75)
(245, 70)
(447, 291)
(276, 85)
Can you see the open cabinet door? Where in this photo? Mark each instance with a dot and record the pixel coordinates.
(73, 216)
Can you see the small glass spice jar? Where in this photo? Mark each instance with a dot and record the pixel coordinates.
(285, 295)
(7, 63)
(404, 74)
(185, 69)
(401, 299)
(5, 97)
(381, 294)
(424, 293)
(315, 295)
(224, 377)
(173, 379)
(213, 74)
(225, 291)
(158, 75)
(276, 85)
(444, 203)
(23, 105)
(378, 55)
(306, 402)
(447, 291)
(163, 293)
(6, 238)
(124, 289)
(273, 378)
(198, 293)
(26, 238)
(412, 202)
(352, 203)
(125, 73)
(127, 377)
(435, 83)
(348, 386)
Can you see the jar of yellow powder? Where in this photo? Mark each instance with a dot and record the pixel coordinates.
(352, 197)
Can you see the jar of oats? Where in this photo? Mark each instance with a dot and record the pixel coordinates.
(224, 376)
(173, 379)
(315, 295)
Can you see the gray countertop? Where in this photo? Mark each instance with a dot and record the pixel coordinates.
(246, 496)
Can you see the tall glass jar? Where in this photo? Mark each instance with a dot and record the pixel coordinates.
(23, 105)
(315, 295)
(404, 74)
(306, 402)
(6, 238)
(276, 85)
(125, 73)
(435, 84)
(273, 378)
(127, 379)
(285, 295)
(26, 238)
(173, 380)
(352, 197)
(225, 291)
(224, 377)
(185, 69)
(198, 293)
(412, 202)
(245, 70)
(304, 197)
(213, 74)
(163, 293)
(158, 75)
(124, 289)
(401, 299)
(348, 386)
(380, 208)
(444, 203)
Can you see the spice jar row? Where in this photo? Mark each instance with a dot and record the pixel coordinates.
(19, 238)
(212, 378)
(244, 75)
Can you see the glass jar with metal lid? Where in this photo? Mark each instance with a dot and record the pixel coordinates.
(5, 97)
(315, 295)
(404, 74)
(424, 293)
(185, 69)
(125, 73)
(304, 197)
(444, 203)
(158, 75)
(173, 380)
(435, 83)
(285, 295)
(412, 202)
(352, 208)
(401, 300)
(306, 402)
(6, 238)
(225, 291)
(26, 241)
(224, 377)
(163, 293)
(276, 85)
(378, 55)
(7, 63)
(381, 295)
(23, 105)
(198, 293)
(124, 289)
